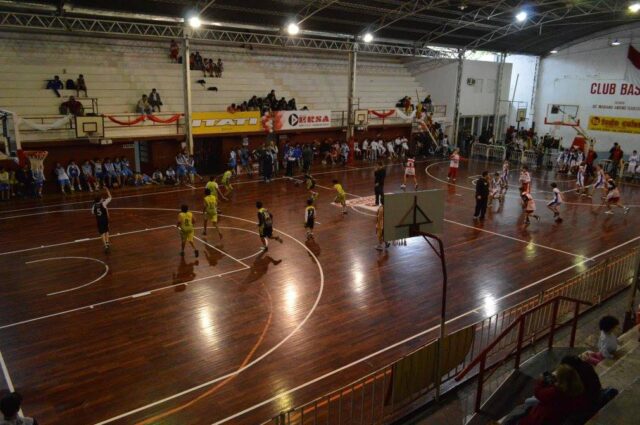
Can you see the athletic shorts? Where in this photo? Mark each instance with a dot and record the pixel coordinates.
(340, 199)
(103, 226)
(4, 186)
(311, 185)
(181, 170)
(213, 217)
(530, 211)
(63, 182)
(309, 224)
(187, 236)
(410, 172)
(266, 231)
(554, 203)
(598, 185)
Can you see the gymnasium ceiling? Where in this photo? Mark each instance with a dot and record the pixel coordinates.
(471, 24)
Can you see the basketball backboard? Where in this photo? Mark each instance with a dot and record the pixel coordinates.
(406, 214)
(89, 126)
(559, 114)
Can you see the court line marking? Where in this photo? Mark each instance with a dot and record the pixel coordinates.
(148, 229)
(404, 341)
(7, 379)
(516, 239)
(106, 271)
(250, 364)
(222, 252)
(161, 192)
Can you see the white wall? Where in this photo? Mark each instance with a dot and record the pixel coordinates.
(567, 78)
(440, 81)
(523, 72)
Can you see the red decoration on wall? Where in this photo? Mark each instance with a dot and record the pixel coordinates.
(141, 118)
(383, 115)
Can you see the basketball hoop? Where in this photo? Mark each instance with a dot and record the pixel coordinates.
(36, 159)
(93, 139)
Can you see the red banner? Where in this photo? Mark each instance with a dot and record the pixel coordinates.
(383, 115)
(141, 118)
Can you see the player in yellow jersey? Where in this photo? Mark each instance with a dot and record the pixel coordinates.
(341, 198)
(225, 180)
(214, 188)
(211, 211)
(185, 224)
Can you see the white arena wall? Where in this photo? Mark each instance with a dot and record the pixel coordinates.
(579, 75)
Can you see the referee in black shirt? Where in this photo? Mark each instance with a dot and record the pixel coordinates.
(482, 196)
(380, 174)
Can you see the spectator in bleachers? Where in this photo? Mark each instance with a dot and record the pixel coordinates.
(406, 104)
(219, 68)
(589, 378)
(10, 408)
(170, 176)
(72, 106)
(199, 63)
(143, 107)
(208, 67)
(81, 85)
(253, 103)
(192, 61)
(55, 85)
(157, 177)
(5, 190)
(281, 105)
(174, 51)
(232, 108)
(291, 106)
(154, 100)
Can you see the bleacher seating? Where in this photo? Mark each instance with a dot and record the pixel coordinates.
(119, 71)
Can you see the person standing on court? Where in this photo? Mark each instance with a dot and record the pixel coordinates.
(379, 176)
(482, 196)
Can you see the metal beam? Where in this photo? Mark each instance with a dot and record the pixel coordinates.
(312, 8)
(164, 31)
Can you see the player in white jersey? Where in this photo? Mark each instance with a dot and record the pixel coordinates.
(580, 176)
(87, 176)
(613, 197)
(356, 150)
(374, 150)
(63, 178)
(391, 150)
(632, 166)
(599, 182)
(495, 188)
(410, 170)
(365, 149)
(554, 204)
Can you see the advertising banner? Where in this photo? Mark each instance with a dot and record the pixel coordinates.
(301, 120)
(614, 124)
(225, 122)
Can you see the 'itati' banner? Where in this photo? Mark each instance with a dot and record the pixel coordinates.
(300, 120)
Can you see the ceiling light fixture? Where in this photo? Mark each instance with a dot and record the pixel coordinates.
(634, 7)
(616, 42)
(522, 16)
(194, 21)
(553, 52)
(293, 28)
(368, 37)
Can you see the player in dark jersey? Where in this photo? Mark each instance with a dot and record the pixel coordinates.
(310, 217)
(265, 226)
(99, 209)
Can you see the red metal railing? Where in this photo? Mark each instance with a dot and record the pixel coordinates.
(526, 329)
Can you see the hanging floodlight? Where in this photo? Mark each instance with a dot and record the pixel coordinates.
(634, 7)
(195, 22)
(522, 16)
(293, 28)
(615, 42)
(553, 52)
(368, 37)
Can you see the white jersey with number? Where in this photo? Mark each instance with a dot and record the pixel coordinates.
(410, 169)
(454, 161)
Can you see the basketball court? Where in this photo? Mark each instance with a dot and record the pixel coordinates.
(142, 335)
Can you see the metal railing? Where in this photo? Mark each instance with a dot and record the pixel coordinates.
(488, 152)
(372, 399)
(529, 326)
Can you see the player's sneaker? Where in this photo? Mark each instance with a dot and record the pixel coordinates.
(197, 253)
(527, 221)
(558, 220)
(608, 212)
(265, 248)
(403, 186)
(379, 247)
(626, 210)
(415, 186)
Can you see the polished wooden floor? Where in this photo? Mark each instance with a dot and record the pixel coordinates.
(143, 336)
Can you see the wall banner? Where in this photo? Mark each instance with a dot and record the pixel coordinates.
(225, 122)
(614, 124)
(301, 120)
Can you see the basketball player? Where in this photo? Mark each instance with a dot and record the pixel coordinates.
(613, 197)
(99, 209)
(225, 180)
(213, 187)
(600, 182)
(454, 163)
(495, 188)
(310, 184)
(210, 211)
(410, 170)
(525, 179)
(265, 226)
(63, 178)
(530, 207)
(341, 197)
(505, 177)
(185, 224)
(554, 204)
(309, 218)
(580, 175)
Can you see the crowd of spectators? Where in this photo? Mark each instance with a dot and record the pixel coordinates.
(269, 103)
(407, 104)
(78, 85)
(149, 104)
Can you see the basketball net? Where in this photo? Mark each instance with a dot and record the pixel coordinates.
(36, 159)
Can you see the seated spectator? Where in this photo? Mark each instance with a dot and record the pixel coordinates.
(219, 68)
(232, 108)
(10, 408)
(209, 67)
(253, 103)
(291, 105)
(427, 100)
(282, 105)
(170, 174)
(143, 107)
(557, 397)
(81, 85)
(192, 61)
(154, 100)
(72, 106)
(304, 108)
(589, 378)
(157, 177)
(408, 107)
(55, 85)
(271, 97)
(607, 343)
(140, 179)
(5, 190)
(174, 51)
